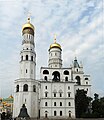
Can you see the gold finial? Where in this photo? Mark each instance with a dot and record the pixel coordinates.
(54, 38)
(29, 14)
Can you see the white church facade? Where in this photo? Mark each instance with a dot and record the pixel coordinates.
(52, 96)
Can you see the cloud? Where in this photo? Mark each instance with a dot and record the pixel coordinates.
(78, 25)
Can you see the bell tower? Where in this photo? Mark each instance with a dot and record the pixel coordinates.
(26, 87)
(55, 60)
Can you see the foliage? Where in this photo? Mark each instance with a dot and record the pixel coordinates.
(98, 107)
(82, 103)
(87, 109)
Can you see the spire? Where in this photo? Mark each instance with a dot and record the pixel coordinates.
(28, 19)
(54, 38)
(55, 44)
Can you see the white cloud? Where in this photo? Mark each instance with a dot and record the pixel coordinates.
(78, 25)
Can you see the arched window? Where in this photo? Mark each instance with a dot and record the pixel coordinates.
(34, 88)
(60, 103)
(69, 104)
(21, 58)
(46, 104)
(26, 57)
(66, 72)
(60, 113)
(46, 114)
(78, 80)
(69, 113)
(86, 78)
(56, 76)
(26, 70)
(66, 78)
(45, 78)
(17, 88)
(55, 113)
(25, 88)
(31, 58)
(45, 72)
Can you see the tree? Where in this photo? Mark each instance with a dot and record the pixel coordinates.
(82, 102)
(98, 107)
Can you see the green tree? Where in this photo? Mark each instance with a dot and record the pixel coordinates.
(82, 102)
(98, 107)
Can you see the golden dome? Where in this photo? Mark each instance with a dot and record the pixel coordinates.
(28, 25)
(10, 96)
(55, 45)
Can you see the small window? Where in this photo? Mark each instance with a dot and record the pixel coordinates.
(54, 94)
(77, 70)
(66, 78)
(69, 113)
(55, 113)
(60, 113)
(54, 103)
(60, 103)
(46, 94)
(25, 88)
(45, 72)
(31, 58)
(46, 104)
(55, 54)
(68, 94)
(86, 78)
(26, 70)
(66, 72)
(26, 57)
(17, 88)
(21, 58)
(69, 104)
(27, 48)
(60, 94)
(34, 88)
(45, 78)
(86, 83)
(68, 87)
(45, 87)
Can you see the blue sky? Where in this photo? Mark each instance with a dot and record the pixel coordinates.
(78, 24)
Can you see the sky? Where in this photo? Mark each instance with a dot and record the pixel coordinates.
(78, 25)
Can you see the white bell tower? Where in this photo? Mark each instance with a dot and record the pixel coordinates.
(26, 87)
(55, 60)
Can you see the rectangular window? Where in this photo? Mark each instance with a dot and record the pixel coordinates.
(69, 104)
(45, 94)
(60, 113)
(55, 113)
(68, 94)
(45, 87)
(54, 103)
(60, 103)
(60, 94)
(68, 87)
(54, 94)
(45, 103)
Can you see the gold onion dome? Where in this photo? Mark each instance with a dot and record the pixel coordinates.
(55, 45)
(28, 25)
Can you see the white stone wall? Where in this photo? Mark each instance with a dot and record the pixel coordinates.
(50, 99)
(29, 98)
